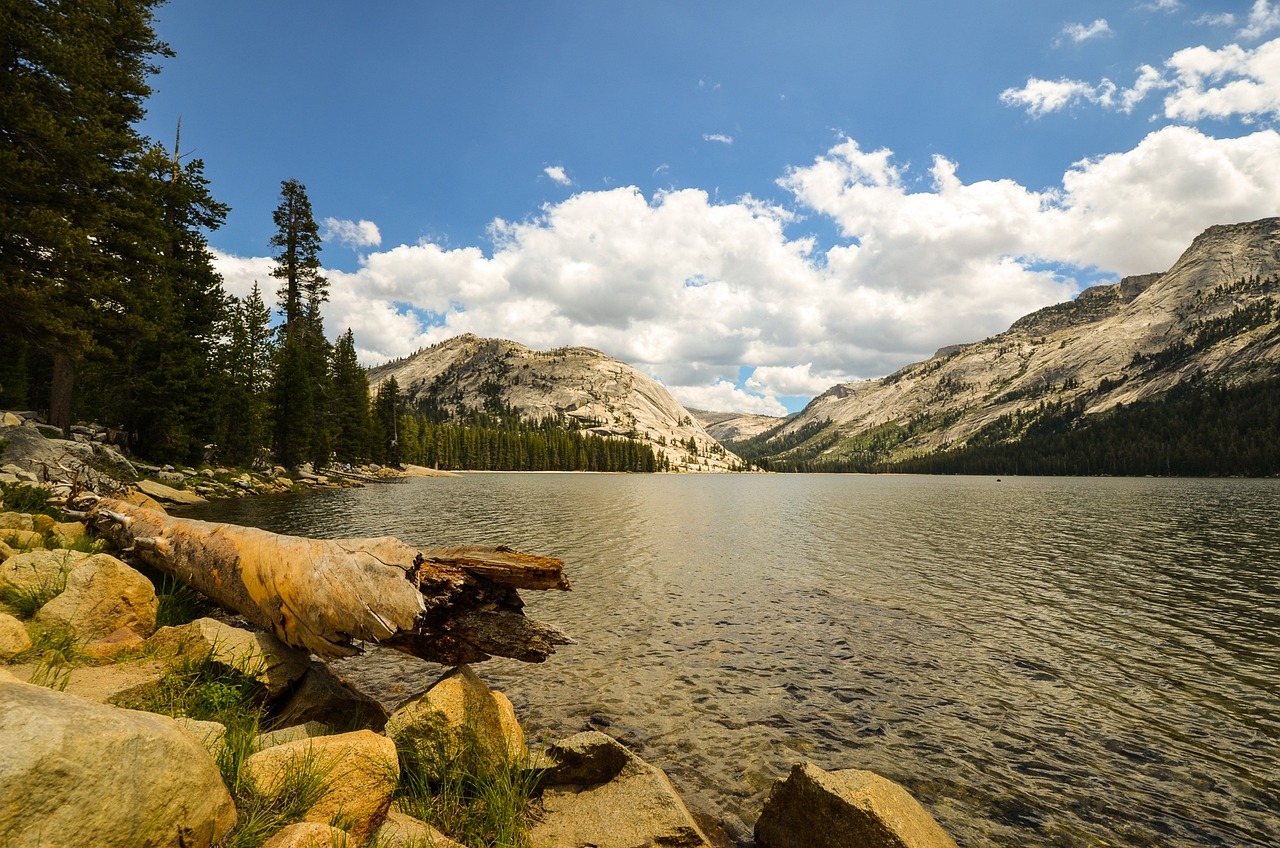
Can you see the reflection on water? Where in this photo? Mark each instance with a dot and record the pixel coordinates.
(1057, 662)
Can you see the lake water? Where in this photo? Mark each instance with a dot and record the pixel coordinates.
(1041, 661)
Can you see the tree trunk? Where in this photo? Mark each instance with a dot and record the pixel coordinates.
(64, 378)
(449, 605)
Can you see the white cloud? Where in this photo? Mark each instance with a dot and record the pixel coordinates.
(1078, 33)
(557, 175)
(724, 396)
(239, 273)
(1264, 18)
(1040, 97)
(792, 380)
(1223, 83)
(1221, 19)
(719, 138)
(353, 234)
(1167, 6)
(1202, 83)
(695, 292)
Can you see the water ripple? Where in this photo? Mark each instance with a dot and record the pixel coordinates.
(1049, 662)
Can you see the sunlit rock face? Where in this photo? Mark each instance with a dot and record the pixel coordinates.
(1214, 313)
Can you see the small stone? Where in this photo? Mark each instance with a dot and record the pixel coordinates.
(118, 641)
(308, 730)
(401, 831)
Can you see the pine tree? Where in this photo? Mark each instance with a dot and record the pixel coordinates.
(298, 262)
(386, 411)
(352, 427)
(245, 362)
(73, 83)
(301, 390)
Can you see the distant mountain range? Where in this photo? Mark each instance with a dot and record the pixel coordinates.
(1185, 350)
(1176, 372)
(578, 386)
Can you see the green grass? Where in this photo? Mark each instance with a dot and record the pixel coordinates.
(57, 649)
(450, 780)
(260, 815)
(179, 603)
(26, 601)
(19, 497)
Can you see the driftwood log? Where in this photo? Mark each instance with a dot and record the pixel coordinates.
(449, 605)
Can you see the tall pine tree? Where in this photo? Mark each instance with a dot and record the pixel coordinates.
(352, 427)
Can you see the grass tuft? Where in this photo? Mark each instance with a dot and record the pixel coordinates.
(262, 814)
(452, 781)
(58, 649)
(179, 603)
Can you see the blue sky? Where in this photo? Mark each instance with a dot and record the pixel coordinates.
(752, 201)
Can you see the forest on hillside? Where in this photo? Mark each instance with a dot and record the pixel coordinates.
(1197, 429)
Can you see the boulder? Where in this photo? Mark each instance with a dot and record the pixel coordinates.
(459, 703)
(42, 523)
(359, 770)
(168, 494)
(309, 835)
(117, 642)
(401, 831)
(16, 521)
(23, 540)
(259, 655)
(6, 551)
(83, 775)
(635, 807)
(324, 697)
(812, 808)
(584, 759)
(40, 570)
(10, 420)
(102, 595)
(67, 533)
(14, 638)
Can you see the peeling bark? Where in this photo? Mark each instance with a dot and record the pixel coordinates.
(449, 605)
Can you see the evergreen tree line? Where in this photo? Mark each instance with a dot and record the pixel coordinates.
(487, 443)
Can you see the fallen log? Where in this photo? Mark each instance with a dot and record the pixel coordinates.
(449, 605)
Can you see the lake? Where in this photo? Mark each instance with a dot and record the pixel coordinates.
(1041, 661)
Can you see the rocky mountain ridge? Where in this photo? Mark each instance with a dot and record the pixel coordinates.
(1215, 314)
(579, 386)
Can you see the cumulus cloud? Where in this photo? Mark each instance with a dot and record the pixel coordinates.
(719, 138)
(353, 234)
(557, 175)
(724, 396)
(1264, 19)
(239, 273)
(698, 292)
(1201, 83)
(1221, 19)
(1078, 33)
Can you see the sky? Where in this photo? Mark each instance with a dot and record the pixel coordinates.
(751, 201)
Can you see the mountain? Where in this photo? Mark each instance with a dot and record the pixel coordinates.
(1212, 320)
(578, 386)
(735, 426)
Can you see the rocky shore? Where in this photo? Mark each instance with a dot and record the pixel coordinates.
(134, 713)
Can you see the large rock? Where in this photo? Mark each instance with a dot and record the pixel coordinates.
(168, 494)
(81, 775)
(852, 808)
(627, 803)
(14, 638)
(259, 655)
(401, 831)
(143, 500)
(16, 521)
(324, 697)
(62, 460)
(102, 595)
(23, 540)
(359, 770)
(459, 703)
(40, 570)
